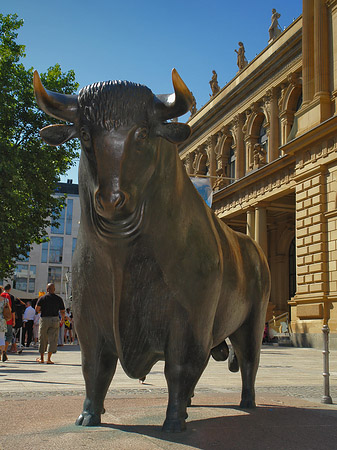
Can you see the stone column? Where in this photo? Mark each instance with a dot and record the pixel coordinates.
(321, 58)
(189, 163)
(332, 5)
(240, 146)
(250, 141)
(261, 227)
(251, 223)
(274, 126)
(211, 141)
(307, 51)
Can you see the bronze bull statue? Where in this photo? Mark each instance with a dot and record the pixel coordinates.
(156, 275)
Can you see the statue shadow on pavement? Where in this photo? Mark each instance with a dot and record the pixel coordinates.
(253, 429)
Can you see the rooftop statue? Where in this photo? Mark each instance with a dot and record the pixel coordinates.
(274, 29)
(193, 107)
(214, 84)
(241, 59)
(156, 274)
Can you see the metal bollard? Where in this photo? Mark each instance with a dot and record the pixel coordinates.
(326, 397)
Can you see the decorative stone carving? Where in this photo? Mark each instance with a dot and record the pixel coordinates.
(280, 100)
(188, 162)
(185, 162)
(266, 105)
(245, 125)
(255, 107)
(241, 59)
(274, 29)
(220, 163)
(243, 198)
(214, 84)
(200, 164)
(294, 79)
(259, 156)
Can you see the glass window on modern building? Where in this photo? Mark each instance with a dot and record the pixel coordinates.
(74, 246)
(57, 226)
(69, 220)
(44, 252)
(51, 253)
(55, 276)
(56, 249)
(20, 281)
(32, 276)
(24, 277)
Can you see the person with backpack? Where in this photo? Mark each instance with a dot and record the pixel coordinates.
(5, 314)
(11, 321)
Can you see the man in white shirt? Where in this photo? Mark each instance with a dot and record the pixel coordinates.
(28, 323)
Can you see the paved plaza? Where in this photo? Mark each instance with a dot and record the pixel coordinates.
(40, 402)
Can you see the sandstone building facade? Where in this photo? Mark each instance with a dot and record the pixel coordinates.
(269, 139)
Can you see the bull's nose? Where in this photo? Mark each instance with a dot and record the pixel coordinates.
(120, 200)
(106, 205)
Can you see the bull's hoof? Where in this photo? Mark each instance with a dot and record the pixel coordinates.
(247, 404)
(174, 426)
(189, 401)
(88, 420)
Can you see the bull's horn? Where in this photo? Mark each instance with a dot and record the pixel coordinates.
(177, 104)
(60, 106)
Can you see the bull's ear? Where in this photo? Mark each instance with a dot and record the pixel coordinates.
(58, 134)
(174, 132)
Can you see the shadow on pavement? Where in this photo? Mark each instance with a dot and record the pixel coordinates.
(266, 427)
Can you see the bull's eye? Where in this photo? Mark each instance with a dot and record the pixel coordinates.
(85, 134)
(141, 134)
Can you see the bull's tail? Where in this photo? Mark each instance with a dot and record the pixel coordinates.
(233, 364)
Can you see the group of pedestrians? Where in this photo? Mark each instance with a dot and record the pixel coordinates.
(42, 324)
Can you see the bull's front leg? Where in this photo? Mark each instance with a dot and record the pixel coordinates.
(185, 361)
(98, 366)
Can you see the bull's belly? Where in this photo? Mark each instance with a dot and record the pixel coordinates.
(138, 366)
(141, 346)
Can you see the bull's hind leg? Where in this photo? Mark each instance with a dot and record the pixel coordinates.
(247, 346)
(183, 368)
(98, 367)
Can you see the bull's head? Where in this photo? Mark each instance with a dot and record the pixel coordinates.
(119, 125)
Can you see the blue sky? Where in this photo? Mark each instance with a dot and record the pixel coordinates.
(142, 41)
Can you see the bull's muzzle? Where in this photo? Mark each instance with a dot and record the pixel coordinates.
(108, 205)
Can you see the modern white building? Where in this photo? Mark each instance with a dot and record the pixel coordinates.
(51, 261)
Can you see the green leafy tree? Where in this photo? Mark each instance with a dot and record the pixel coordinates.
(29, 169)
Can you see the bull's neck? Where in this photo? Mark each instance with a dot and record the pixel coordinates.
(172, 199)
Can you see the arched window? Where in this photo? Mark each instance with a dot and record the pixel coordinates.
(263, 138)
(231, 164)
(294, 126)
